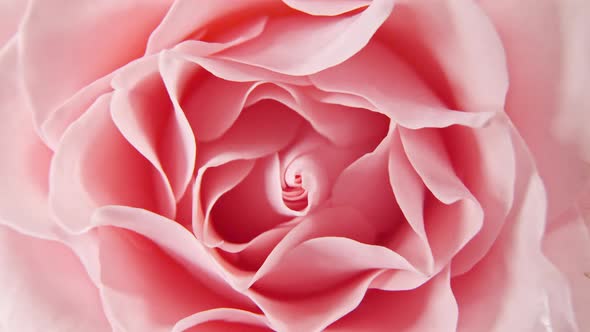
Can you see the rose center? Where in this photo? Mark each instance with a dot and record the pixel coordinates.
(295, 194)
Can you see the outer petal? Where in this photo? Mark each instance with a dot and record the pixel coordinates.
(567, 245)
(515, 287)
(11, 13)
(24, 170)
(78, 42)
(454, 47)
(431, 307)
(154, 277)
(545, 43)
(44, 286)
(322, 41)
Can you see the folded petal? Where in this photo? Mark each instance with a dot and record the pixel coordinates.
(455, 48)
(327, 7)
(323, 41)
(103, 40)
(514, 286)
(567, 244)
(544, 42)
(44, 284)
(11, 13)
(430, 307)
(146, 286)
(146, 117)
(224, 319)
(394, 89)
(95, 165)
(24, 170)
(187, 17)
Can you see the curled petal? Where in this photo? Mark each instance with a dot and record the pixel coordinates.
(49, 43)
(34, 295)
(323, 41)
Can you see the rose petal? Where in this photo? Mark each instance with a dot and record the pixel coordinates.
(327, 262)
(313, 313)
(24, 170)
(52, 49)
(245, 210)
(340, 222)
(11, 13)
(94, 165)
(567, 244)
(262, 129)
(223, 319)
(453, 44)
(327, 7)
(237, 35)
(431, 307)
(58, 122)
(515, 286)
(364, 185)
(484, 160)
(148, 290)
(44, 285)
(323, 41)
(410, 195)
(145, 116)
(174, 241)
(455, 216)
(547, 92)
(186, 17)
(394, 89)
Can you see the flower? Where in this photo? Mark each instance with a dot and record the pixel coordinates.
(294, 165)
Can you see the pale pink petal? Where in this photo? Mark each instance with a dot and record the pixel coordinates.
(44, 285)
(333, 121)
(223, 319)
(24, 170)
(330, 222)
(394, 89)
(567, 244)
(145, 116)
(431, 307)
(410, 195)
(262, 129)
(210, 185)
(515, 287)
(95, 165)
(484, 160)
(547, 99)
(453, 216)
(104, 38)
(239, 72)
(187, 17)
(327, 7)
(11, 13)
(57, 122)
(174, 240)
(323, 263)
(322, 41)
(313, 313)
(364, 185)
(211, 104)
(455, 47)
(234, 36)
(151, 282)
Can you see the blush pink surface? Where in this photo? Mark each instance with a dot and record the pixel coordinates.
(295, 165)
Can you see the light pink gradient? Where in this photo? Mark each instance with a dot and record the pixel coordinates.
(295, 165)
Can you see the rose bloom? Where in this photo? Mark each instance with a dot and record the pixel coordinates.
(295, 165)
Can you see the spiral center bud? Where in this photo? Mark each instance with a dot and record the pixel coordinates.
(295, 194)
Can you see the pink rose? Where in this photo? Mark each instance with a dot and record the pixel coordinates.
(294, 165)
